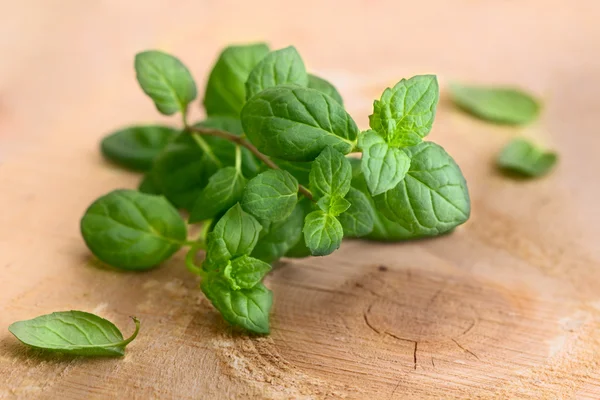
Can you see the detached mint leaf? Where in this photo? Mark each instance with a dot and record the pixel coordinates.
(433, 197)
(383, 166)
(238, 230)
(271, 195)
(136, 147)
(132, 230)
(166, 80)
(282, 235)
(225, 90)
(523, 158)
(334, 205)
(245, 272)
(295, 123)
(330, 174)
(323, 233)
(73, 332)
(245, 308)
(325, 87)
(359, 218)
(224, 189)
(405, 113)
(279, 67)
(496, 104)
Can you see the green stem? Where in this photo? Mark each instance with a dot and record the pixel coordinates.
(241, 141)
(206, 148)
(190, 261)
(238, 159)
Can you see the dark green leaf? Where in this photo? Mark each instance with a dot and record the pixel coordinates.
(279, 67)
(330, 174)
(323, 233)
(137, 146)
(271, 195)
(73, 332)
(383, 166)
(405, 113)
(359, 217)
(239, 231)
(323, 86)
(295, 123)
(133, 230)
(217, 253)
(245, 308)
(523, 158)
(166, 80)
(224, 189)
(282, 235)
(501, 105)
(225, 90)
(300, 170)
(433, 197)
(245, 272)
(148, 184)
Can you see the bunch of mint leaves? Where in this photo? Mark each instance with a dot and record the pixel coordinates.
(269, 174)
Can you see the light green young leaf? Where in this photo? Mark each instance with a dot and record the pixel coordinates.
(224, 189)
(433, 197)
(330, 174)
(166, 80)
(501, 105)
(271, 195)
(333, 205)
(383, 166)
(282, 235)
(279, 67)
(324, 86)
(245, 308)
(136, 147)
(245, 272)
(523, 158)
(323, 233)
(238, 230)
(358, 219)
(133, 230)
(226, 90)
(405, 113)
(73, 332)
(295, 123)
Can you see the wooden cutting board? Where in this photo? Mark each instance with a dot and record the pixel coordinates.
(507, 306)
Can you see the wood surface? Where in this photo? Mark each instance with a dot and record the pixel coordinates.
(507, 306)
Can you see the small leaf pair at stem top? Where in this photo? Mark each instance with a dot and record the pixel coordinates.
(269, 174)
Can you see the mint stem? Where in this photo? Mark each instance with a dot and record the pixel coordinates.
(240, 140)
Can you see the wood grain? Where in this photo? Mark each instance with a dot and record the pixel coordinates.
(507, 306)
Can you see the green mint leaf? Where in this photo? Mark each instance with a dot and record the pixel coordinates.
(217, 253)
(137, 146)
(330, 174)
(245, 308)
(501, 105)
(133, 230)
(383, 166)
(148, 184)
(245, 272)
(73, 332)
(333, 205)
(224, 189)
(271, 195)
(226, 87)
(359, 218)
(323, 233)
(282, 235)
(300, 170)
(296, 123)
(524, 159)
(239, 231)
(433, 197)
(405, 113)
(279, 67)
(325, 87)
(166, 80)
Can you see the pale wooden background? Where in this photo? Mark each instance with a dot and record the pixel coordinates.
(508, 306)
